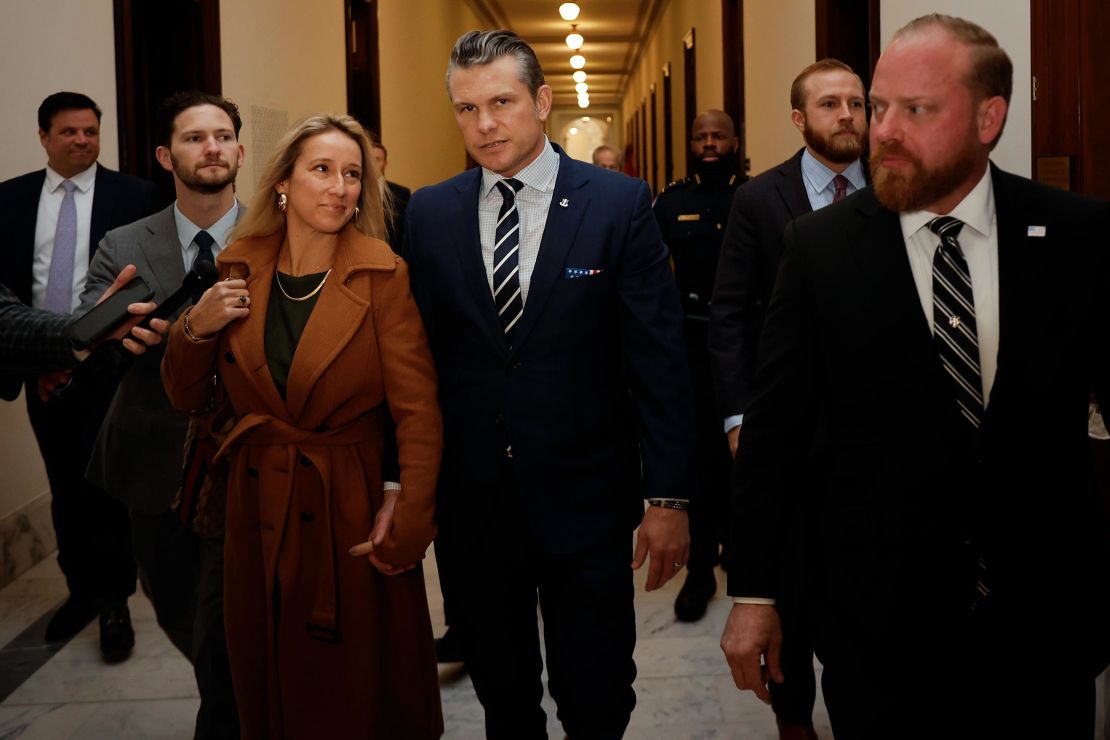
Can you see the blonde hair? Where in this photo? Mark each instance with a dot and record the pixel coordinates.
(263, 216)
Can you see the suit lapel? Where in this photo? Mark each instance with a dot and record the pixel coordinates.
(468, 247)
(792, 188)
(162, 251)
(104, 203)
(558, 236)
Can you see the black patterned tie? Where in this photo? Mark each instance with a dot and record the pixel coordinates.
(957, 341)
(506, 260)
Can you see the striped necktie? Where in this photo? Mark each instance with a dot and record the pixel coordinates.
(957, 340)
(506, 260)
(954, 319)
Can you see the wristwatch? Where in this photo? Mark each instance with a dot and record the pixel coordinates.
(678, 504)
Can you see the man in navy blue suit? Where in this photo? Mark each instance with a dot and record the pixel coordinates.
(557, 333)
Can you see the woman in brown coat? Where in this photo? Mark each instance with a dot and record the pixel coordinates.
(314, 333)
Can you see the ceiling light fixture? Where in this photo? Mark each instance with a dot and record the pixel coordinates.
(573, 131)
(569, 11)
(585, 118)
(581, 87)
(583, 102)
(578, 61)
(574, 39)
(579, 76)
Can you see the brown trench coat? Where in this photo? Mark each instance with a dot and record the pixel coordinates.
(321, 643)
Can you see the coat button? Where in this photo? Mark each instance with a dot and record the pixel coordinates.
(228, 357)
(252, 472)
(305, 461)
(307, 516)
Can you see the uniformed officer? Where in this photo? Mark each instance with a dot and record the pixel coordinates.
(692, 214)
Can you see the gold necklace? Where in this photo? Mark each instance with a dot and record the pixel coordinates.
(277, 277)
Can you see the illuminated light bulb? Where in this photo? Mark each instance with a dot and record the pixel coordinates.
(581, 87)
(579, 76)
(583, 102)
(569, 11)
(578, 61)
(575, 41)
(585, 118)
(573, 131)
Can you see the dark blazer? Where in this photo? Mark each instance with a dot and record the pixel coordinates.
(595, 397)
(118, 199)
(31, 340)
(902, 498)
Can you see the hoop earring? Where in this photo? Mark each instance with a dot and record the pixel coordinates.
(283, 202)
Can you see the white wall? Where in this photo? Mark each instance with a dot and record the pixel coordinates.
(1010, 22)
(46, 46)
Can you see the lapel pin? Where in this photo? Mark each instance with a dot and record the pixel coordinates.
(564, 202)
(1035, 231)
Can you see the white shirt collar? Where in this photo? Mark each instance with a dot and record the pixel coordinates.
(976, 210)
(538, 174)
(84, 179)
(219, 231)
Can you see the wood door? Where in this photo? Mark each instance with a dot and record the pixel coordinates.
(732, 32)
(848, 30)
(363, 86)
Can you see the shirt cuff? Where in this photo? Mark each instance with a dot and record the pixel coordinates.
(391, 485)
(752, 600)
(731, 422)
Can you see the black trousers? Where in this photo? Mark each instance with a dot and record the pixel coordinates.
(493, 581)
(183, 577)
(94, 538)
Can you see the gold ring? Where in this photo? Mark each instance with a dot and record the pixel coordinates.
(243, 299)
(678, 564)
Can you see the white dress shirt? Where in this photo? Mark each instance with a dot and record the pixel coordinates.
(50, 203)
(532, 203)
(979, 242)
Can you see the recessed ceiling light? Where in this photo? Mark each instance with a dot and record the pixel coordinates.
(583, 102)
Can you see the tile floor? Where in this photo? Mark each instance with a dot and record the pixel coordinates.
(684, 689)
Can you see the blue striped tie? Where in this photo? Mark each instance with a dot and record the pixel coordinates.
(507, 297)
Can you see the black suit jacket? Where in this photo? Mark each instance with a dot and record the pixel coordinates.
(746, 272)
(118, 199)
(850, 388)
(594, 398)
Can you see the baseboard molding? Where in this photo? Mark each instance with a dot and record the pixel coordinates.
(26, 538)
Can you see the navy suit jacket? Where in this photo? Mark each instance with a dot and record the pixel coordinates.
(594, 398)
(118, 200)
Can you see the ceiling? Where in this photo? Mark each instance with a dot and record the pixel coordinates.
(614, 30)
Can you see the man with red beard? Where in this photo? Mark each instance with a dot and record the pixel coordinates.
(138, 453)
(927, 359)
(828, 108)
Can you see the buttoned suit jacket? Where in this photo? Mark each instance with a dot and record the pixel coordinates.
(903, 497)
(118, 199)
(138, 453)
(594, 399)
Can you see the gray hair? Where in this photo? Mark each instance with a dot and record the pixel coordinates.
(478, 48)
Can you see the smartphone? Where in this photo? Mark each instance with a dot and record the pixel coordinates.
(108, 314)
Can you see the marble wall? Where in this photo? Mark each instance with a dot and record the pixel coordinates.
(26, 538)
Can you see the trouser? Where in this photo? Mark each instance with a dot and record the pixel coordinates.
(94, 538)
(493, 582)
(182, 575)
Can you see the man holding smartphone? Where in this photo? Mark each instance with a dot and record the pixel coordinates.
(138, 454)
(53, 219)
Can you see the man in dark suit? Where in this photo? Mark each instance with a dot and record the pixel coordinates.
(138, 453)
(828, 109)
(53, 220)
(928, 355)
(34, 341)
(555, 324)
(399, 198)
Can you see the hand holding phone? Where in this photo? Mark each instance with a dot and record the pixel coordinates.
(108, 314)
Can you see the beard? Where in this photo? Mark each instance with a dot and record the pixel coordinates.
(921, 186)
(724, 167)
(206, 185)
(834, 147)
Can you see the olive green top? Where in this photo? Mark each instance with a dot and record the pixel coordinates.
(285, 322)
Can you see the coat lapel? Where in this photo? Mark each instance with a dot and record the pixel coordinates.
(468, 246)
(792, 188)
(162, 251)
(104, 202)
(337, 316)
(558, 236)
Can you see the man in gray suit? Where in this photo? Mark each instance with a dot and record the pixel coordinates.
(138, 454)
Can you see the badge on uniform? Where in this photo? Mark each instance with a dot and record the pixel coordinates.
(577, 272)
(689, 217)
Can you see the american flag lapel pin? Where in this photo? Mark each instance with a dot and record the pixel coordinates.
(564, 202)
(1035, 231)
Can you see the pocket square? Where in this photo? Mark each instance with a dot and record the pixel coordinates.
(577, 272)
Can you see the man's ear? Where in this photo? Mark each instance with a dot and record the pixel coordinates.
(798, 119)
(543, 102)
(990, 119)
(162, 154)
